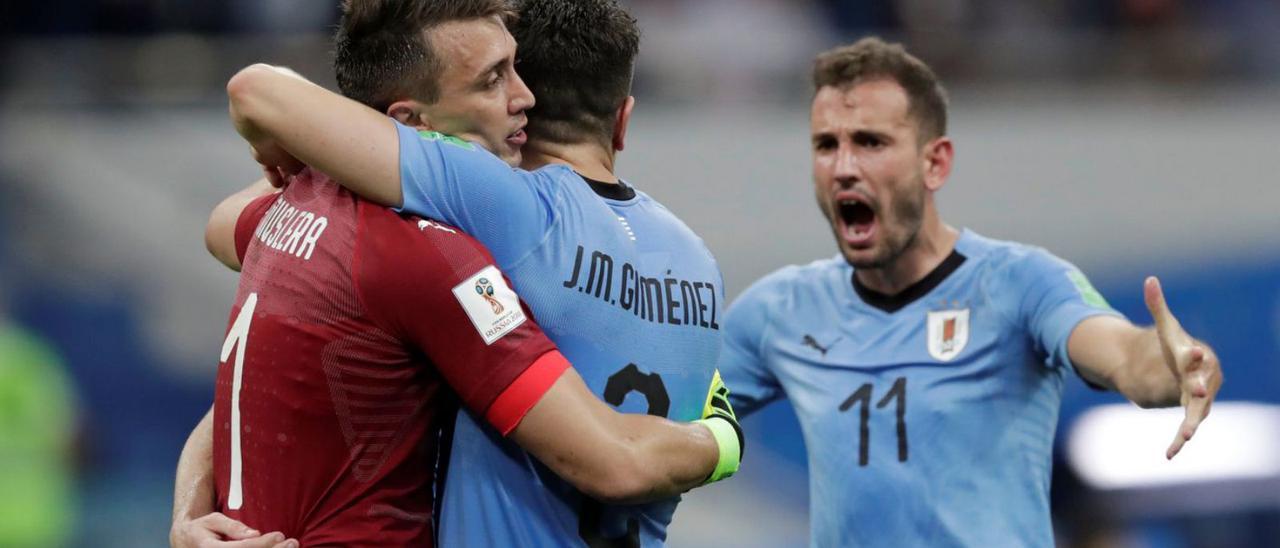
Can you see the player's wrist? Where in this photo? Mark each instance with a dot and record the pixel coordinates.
(726, 431)
(728, 438)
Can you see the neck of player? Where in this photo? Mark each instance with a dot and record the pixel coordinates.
(931, 246)
(588, 159)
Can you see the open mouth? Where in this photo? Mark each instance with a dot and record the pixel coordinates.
(517, 138)
(857, 220)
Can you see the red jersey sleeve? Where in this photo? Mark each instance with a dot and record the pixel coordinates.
(438, 289)
(248, 221)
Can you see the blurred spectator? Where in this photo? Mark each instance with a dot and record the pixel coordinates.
(37, 418)
(141, 17)
(283, 15)
(851, 19)
(744, 48)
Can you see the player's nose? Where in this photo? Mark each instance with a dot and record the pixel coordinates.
(522, 98)
(847, 171)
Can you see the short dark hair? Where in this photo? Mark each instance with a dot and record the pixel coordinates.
(872, 59)
(577, 56)
(382, 53)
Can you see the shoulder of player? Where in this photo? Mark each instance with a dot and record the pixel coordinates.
(781, 285)
(445, 142)
(645, 198)
(1015, 275)
(555, 180)
(459, 148)
(1019, 260)
(1005, 256)
(674, 222)
(410, 239)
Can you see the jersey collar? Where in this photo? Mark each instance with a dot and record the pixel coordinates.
(621, 191)
(894, 303)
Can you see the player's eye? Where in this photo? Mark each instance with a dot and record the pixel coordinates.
(495, 80)
(866, 140)
(824, 144)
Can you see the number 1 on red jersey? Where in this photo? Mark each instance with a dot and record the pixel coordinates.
(238, 336)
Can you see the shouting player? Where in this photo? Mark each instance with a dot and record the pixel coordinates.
(352, 323)
(941, 352)
(624, 288)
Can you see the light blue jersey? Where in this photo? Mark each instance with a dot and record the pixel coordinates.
(929, 416)
(630, 295)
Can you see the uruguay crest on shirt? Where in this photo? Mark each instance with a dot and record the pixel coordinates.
(948, 332)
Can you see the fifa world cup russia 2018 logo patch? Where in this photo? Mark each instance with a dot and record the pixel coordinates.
(497, 312)
(485, 289)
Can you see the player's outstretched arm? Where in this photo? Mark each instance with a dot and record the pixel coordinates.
(628, 458)
(1159, 366)
(220, 232)
(195, 524)
(285, 117)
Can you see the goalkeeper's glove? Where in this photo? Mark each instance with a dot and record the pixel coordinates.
(717, 415)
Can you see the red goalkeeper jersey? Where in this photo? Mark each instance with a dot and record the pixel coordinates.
(354, 334)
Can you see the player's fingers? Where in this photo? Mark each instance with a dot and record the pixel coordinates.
(227, 527)
(1198, 374)
(1166, 324)
(1197, 408)
(1176, 446)
(284, 176)
(1202, 390)
(258, 156)
(191, 535)
(292, 166)
(1179, 439)
(1196, 411)
(273, 177)
(291, 543)
(265, 541)
(1197, 353)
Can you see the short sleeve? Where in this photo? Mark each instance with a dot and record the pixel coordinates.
(438, 289)
(742, 364)
(1054, 298)
(249, 220)
(446, 178)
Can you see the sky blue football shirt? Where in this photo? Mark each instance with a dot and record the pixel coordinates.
(928, 418)
(630, 295)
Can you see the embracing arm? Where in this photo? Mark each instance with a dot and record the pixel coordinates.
(284, 116)
(193, 489)
(220, 232)
(619, 457)
(287, 119)
(195, 523)
(1159, 366)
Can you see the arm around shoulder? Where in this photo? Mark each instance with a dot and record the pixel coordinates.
(274, 109)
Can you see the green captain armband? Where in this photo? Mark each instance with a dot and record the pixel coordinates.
(726, 431)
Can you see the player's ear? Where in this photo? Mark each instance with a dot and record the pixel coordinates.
(410, 113)
(938, 156)
(620, 124)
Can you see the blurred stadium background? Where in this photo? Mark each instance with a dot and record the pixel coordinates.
(1132, 137)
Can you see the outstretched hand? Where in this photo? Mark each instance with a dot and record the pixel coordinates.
(1193, 364)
